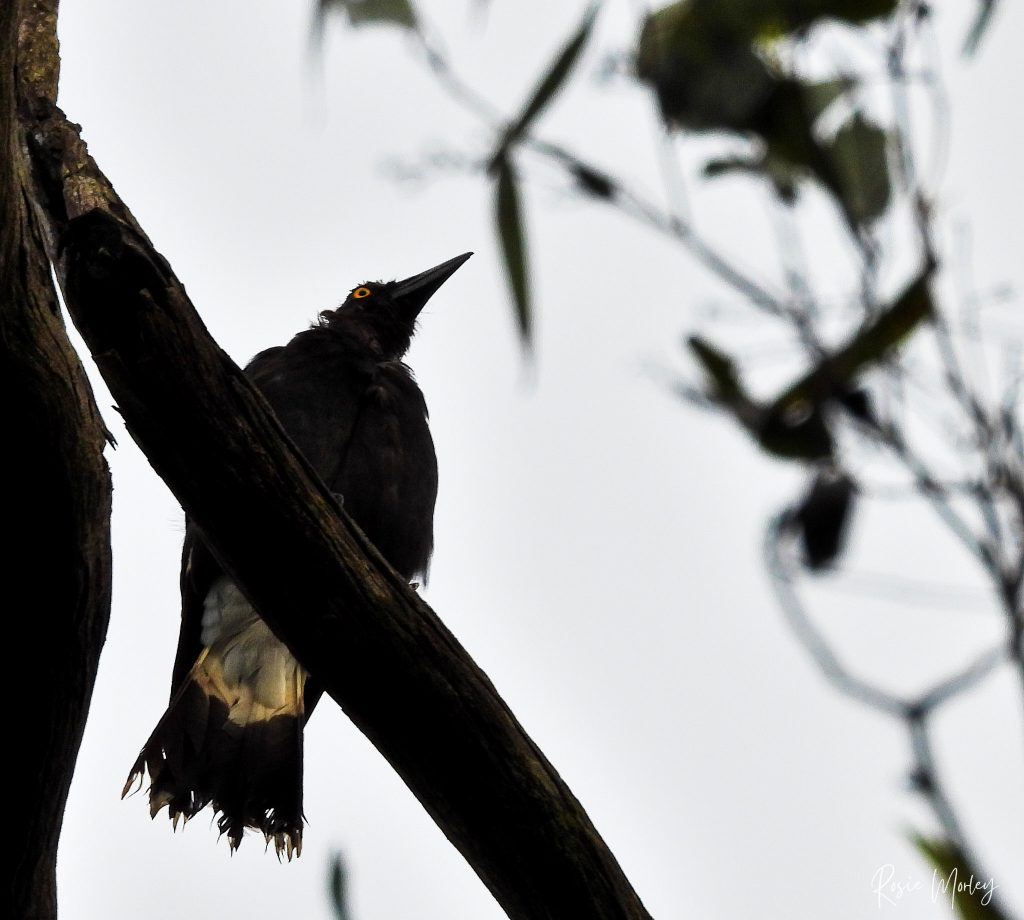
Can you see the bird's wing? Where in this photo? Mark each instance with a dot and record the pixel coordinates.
(199, 570)
(389, 475)
(314, 387)
(314, 392)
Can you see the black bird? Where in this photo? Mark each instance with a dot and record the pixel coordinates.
(232, 733)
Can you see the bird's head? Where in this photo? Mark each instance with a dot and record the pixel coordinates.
(383, 313)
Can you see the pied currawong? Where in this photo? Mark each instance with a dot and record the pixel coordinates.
(232, 734)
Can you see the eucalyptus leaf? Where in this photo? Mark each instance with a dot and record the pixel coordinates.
(550, 83)
(858, 153)
(857, 11)
(720, 369)
(858, 402)
(795, 431)
(979, 26)
(894, 326)
(368, 12)
(724, 166)
(957, 881)
(786, 432)
(595, 183)
(760, 21)
(705, 60)
(801, 14)
(783, 177)
(823, 518)
(833, 376)
(776, 170)
(819, 96)
(509, 219)
(704, 70)
(337, 888)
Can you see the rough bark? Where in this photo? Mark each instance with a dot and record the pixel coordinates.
(378, 650)
(55, 491)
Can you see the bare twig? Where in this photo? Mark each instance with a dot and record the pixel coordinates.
(812, 639)
(628, 201)
(914, 713)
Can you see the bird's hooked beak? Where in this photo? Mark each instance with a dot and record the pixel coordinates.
(413, 293)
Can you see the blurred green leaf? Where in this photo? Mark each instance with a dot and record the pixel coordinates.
(857, 401)
(803, 13)
(794, 424)
(704, 66)
(890, 329)
(705, 61)
(782, 176)
(659, 34)
(788, 434)
(834, 374)
(819, 96)
(551, 82)
(705, 72)
(858, 152)
(770, 19)
(720, 369)
(595, 183)
(980, 25)
(780, 173)
(366, 12)
(508, 216)
(337, 888)
(823, 517)
(786, 123)
(726, 165)
(795, 431)
(957, 881)
(853, 166)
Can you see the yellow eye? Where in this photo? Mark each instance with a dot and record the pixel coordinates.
(361, 292)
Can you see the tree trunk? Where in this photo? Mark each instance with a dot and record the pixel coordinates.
(55, 491)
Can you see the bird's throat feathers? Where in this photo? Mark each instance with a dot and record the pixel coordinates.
(382, 332)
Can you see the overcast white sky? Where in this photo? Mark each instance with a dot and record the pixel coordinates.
(597, 541)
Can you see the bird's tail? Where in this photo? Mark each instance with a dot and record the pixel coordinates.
(232, 737)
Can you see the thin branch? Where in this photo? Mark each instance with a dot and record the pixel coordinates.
(812, 639)
(926, 781)
(836, 672)
(919, 591)
(929, 487)
(960, 682)
(671, 175)
(626, 200)
(913, 713)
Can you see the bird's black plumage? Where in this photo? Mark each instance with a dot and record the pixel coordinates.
(232, 733)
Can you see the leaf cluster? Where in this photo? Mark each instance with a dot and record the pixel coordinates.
(710, 66)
